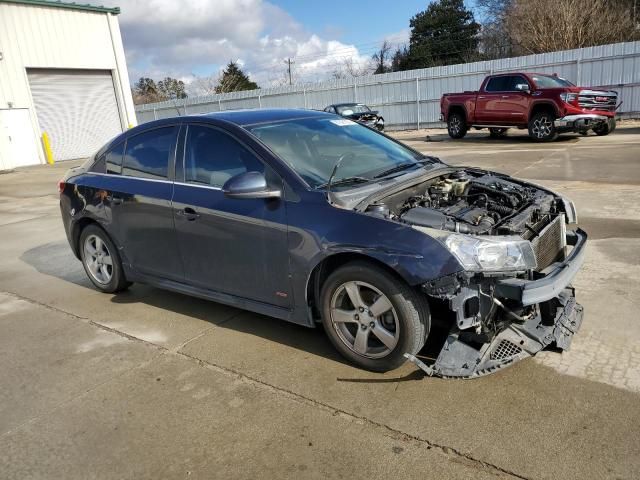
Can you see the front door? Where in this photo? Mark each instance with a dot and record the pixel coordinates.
(232, 246)
(502, 103)
(18, 144)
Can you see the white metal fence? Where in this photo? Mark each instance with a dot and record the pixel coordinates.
(410, 99)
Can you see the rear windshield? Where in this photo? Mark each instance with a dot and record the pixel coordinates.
(548, 81)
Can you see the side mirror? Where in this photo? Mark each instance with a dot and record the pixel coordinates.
(249, 185)
(523, 87)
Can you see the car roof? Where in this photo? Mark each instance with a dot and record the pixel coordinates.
(263, 115)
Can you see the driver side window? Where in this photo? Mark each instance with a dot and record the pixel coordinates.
(212, 157)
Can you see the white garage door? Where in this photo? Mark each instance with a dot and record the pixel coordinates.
(77, 109)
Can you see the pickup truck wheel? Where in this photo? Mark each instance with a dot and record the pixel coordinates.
(498, 132)
(541, 127)
(371, 317)
(456, 125)
(605, 128)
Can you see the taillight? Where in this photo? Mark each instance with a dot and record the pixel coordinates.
(61, 185)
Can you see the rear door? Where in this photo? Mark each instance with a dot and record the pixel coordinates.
(232, 246)
(140, 191)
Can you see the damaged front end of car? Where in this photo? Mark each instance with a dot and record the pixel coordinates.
(513, 296)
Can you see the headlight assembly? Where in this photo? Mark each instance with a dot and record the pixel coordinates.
(491, 253)
(487, 254)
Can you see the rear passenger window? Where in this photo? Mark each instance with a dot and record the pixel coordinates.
(498, 84)
(147, 154)
(212, 157)
(113, 159)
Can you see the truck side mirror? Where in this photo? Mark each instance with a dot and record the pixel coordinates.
(523, 87)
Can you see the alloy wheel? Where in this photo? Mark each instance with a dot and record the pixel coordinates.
(542, 127)
(364, 319)
(454, 125)
(98, 259)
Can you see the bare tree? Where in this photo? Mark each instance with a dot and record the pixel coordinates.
(549, 25)
(347, 68)
(381, 58)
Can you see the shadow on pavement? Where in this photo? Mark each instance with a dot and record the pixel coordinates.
(56, 260)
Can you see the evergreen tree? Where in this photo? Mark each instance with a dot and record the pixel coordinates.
(233, 79)
(445, 33)
(171, 88)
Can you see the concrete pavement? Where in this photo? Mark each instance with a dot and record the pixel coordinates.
(151, 384)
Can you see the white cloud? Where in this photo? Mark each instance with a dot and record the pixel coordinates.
(170, 38)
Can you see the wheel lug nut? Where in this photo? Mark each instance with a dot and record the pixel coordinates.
(356, 316)
(372, 325)
(361, 309)
(363, 326)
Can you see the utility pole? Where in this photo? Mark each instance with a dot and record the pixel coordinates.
(289, 62)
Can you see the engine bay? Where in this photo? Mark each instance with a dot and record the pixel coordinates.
(472, 202)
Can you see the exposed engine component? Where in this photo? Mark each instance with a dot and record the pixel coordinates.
(472, 203)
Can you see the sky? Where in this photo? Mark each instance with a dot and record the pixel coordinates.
(194, 39)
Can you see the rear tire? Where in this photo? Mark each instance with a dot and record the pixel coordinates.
(498, 132)
(456, 125)
(541, 127)
(101, 260)
(605, 128)
(371, 317)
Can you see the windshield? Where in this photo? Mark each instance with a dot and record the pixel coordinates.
(313, 146)
(351, 109)
(544, 81)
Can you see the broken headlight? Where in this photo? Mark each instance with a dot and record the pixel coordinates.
(491, 253)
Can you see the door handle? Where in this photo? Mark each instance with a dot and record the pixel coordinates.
(189, 213)
(481, 97)
(505, 96)
(114, 200)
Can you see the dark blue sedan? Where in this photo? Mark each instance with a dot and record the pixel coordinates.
(313, 218)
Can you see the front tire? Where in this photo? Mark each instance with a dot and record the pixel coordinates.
(372, 318)
(542, 128)
(101, 260)
(605, 128)
(456, 125)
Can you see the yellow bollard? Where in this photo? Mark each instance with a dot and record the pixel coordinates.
(47, 148)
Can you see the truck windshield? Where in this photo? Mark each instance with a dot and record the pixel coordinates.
(549, 81)
(312, 147)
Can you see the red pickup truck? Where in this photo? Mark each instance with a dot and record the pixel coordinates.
(545, 104)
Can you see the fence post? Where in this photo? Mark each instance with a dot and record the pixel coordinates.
(259, 101)
(355, 91)
(219, 105)
(155, 116)
(185, 108)
(418, 101)
(578, 71)
(304, 96)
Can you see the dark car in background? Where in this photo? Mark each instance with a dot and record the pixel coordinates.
(309, 218)
(358, 112)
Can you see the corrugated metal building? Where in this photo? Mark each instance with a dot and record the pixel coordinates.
(63, 73)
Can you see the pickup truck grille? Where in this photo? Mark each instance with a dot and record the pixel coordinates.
(550, 242)
(595, 100)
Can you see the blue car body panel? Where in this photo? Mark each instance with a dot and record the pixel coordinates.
(257, 254)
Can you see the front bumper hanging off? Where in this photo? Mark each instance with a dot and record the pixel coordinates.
(557, 318)
(582, 121)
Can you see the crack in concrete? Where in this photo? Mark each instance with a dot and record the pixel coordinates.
(451, 452)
